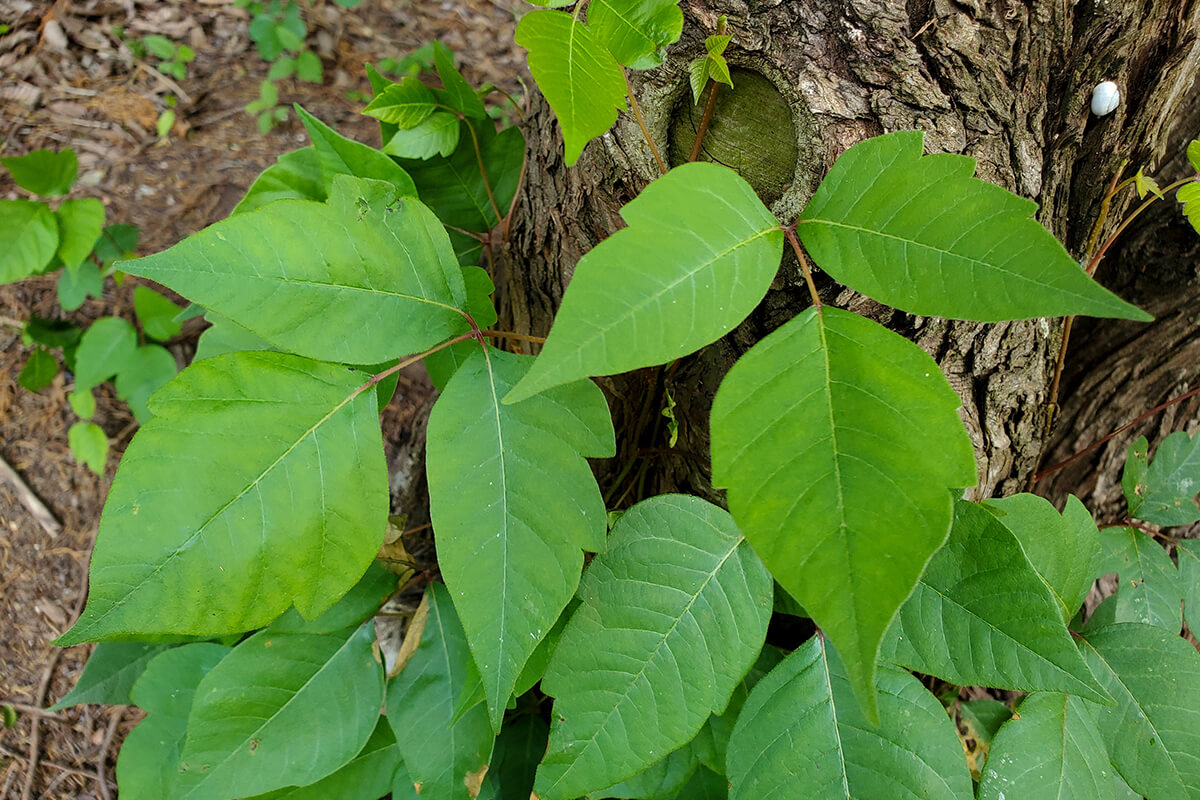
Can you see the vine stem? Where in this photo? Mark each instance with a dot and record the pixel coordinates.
(637, 113)
(1114, 187)
(474, 333)
(487, 185)
(705, 120)
(790, 233)
(1075, 457)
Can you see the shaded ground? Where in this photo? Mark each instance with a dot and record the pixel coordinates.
(66, 80)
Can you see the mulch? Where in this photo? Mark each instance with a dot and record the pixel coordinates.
(68, 80)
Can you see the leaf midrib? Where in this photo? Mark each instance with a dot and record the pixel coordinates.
(591, 742)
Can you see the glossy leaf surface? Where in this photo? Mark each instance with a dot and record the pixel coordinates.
(1050, 750)
(368, 776)
(922, 234)
(289, 505)
(341, 156)
(439, 750)
(514, 504)
(110, 673)
(1063, 548)
(801, 735)
(636, 32)
(294, 176)
(673, 615)
(839, 442)
(1153, 733)
(149, 760)
(404, 104)
(1148, 585)
(1166, 492)
(981, 615)
(579, 77)
(251, 727)
(699, 254)
(381, 275)
(156, 313)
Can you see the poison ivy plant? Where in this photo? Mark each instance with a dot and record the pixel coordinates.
(563, 648)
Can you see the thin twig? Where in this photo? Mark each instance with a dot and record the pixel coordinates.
(520, 337)
(35, 736)
(25, 708)
(705, 119)
(37, 508)
(1114, 434)
(109, 733)
(637, 113)
(487, 185)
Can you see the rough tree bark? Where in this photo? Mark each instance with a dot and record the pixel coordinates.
(1007, 82)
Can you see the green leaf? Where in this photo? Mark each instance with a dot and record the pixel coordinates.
(511, 557)
(712, 743)
(39, 370)
(355, 607)
(982, 615)
(83, 403)
(74, 287)
(89, 445)
(1166, 493)
(149, 758)
(44, 172)
(284, 67)
(309, 68)
(405, 104)
(1193, 154)
(295, 175)
(454, 188)
(147, 370)
(1050, 750)
(436, 135)
(801, 735)
(159, 46)
(705, 785)
(699, 254)
(1188, 195)
(79, 225)
(1145, 186)
(289, 39)
(636, 32)
(1148, 586)
(251, 727)
(116, 242)
(383, 278)
(519, 748)
(226, 336)
(803, 428)
(28, 238)
(1064, 549)
(421, 700)
(156, 313)
(106, 347)
(673, 615)
(1188, 554)
(459, 93)
(698, 76)
(342, 156)
(1133, 476)
(50, 332)
(368, 775)
(1152, 734)
(663, 778)
(983, 718)
(290, 505)
(579, 77)
(110, 673)
(923, 235)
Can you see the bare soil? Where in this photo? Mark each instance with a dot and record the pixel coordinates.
(67, 80)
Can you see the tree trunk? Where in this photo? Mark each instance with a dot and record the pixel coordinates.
(1003, 81)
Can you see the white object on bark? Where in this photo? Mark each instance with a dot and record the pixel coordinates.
(1105, 98)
